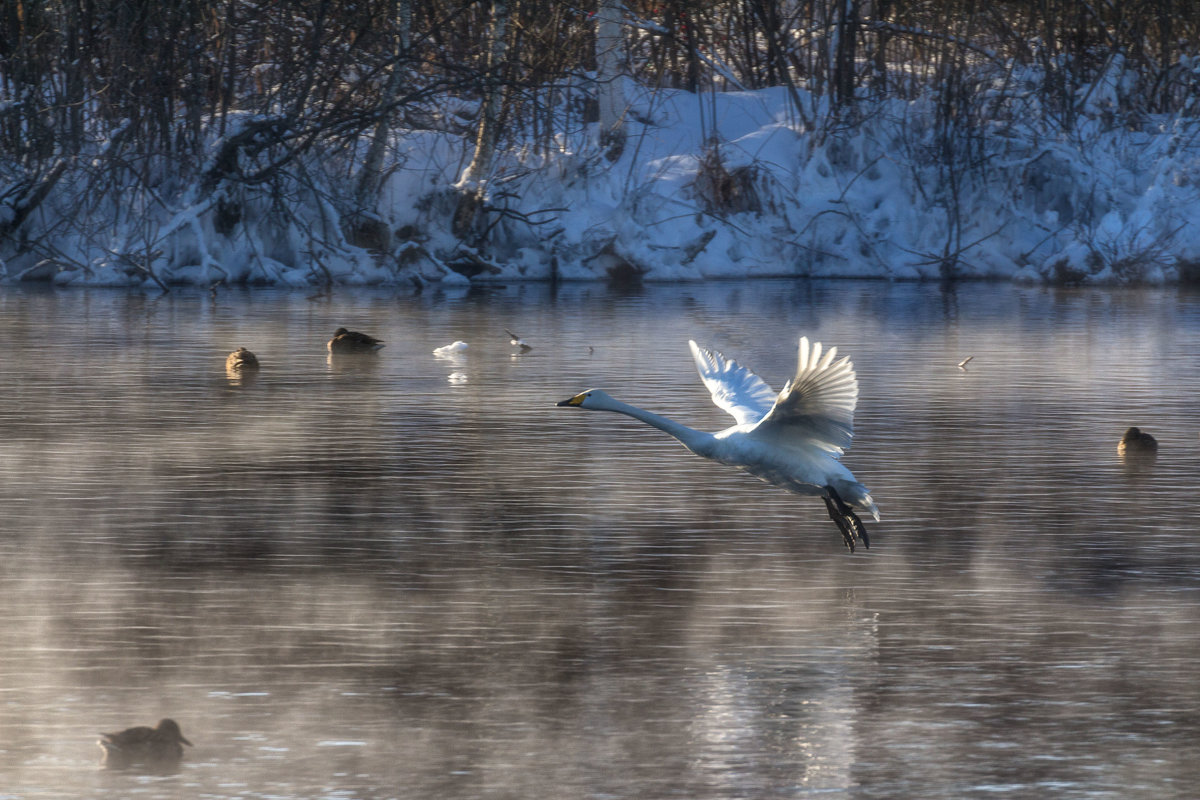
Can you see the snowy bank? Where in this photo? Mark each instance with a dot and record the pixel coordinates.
(709, 185)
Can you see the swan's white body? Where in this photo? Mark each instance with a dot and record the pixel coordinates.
(791, 439)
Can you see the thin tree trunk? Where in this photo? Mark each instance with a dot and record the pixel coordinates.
(844, 55)
(470, 199)
(493, 98)
(610, 71)
(768, 19)
(370, 177)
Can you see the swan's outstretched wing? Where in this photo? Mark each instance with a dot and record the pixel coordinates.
(734, 388)
(816, 408)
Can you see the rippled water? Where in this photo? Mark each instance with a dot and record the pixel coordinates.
(414, 577)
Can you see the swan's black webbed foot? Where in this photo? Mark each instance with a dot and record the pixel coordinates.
(847, 521)
(840, 519)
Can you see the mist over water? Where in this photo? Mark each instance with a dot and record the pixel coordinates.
(414, 577)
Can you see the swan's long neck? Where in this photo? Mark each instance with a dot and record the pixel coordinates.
(698, 442)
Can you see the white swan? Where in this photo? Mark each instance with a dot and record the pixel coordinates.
(791, 439)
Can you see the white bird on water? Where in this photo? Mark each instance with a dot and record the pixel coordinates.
(452, 350)
(792, 439)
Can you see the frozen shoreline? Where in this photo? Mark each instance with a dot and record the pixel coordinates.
(708, 186)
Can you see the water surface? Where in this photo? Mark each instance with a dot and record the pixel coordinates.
(414, 577)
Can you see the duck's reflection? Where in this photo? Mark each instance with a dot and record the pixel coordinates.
(352, 363)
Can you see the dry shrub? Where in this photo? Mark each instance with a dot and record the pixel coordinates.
(726, 191)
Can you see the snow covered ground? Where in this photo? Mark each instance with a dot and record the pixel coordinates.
(709, 186)
(868, 200)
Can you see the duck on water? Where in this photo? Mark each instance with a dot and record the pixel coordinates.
(156, 750)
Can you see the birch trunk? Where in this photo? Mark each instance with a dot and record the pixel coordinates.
(370, 177)
(493, 97)
(610, 89)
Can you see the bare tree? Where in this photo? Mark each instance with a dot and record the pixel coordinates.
(366, 228)
(111, 111)
(488, 128)
(610, 74)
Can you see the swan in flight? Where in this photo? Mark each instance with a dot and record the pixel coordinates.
(792, 439)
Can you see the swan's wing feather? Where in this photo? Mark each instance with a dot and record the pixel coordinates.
(734, 388)
(816, 408)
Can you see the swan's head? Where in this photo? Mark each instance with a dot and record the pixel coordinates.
(592, 398)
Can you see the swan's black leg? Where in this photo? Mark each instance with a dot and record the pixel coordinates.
(840, 518)
(847, 520)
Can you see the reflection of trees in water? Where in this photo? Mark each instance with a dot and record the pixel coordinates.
(495, 665)
(995, 666)
(635, 656)
(455, 594)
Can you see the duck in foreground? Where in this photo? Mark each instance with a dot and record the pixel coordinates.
(1137, 442)
(345, 342)
(791, 439)
(157, 750)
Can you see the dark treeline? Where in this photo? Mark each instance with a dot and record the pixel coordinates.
(167, 73)
(160, 94)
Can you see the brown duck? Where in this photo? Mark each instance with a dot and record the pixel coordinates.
(155, 750)
(1137, 442)
(345, 342)
(241, 360)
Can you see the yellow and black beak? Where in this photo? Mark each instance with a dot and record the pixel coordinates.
(576, 401)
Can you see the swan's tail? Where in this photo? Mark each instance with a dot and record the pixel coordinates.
(856, 495)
